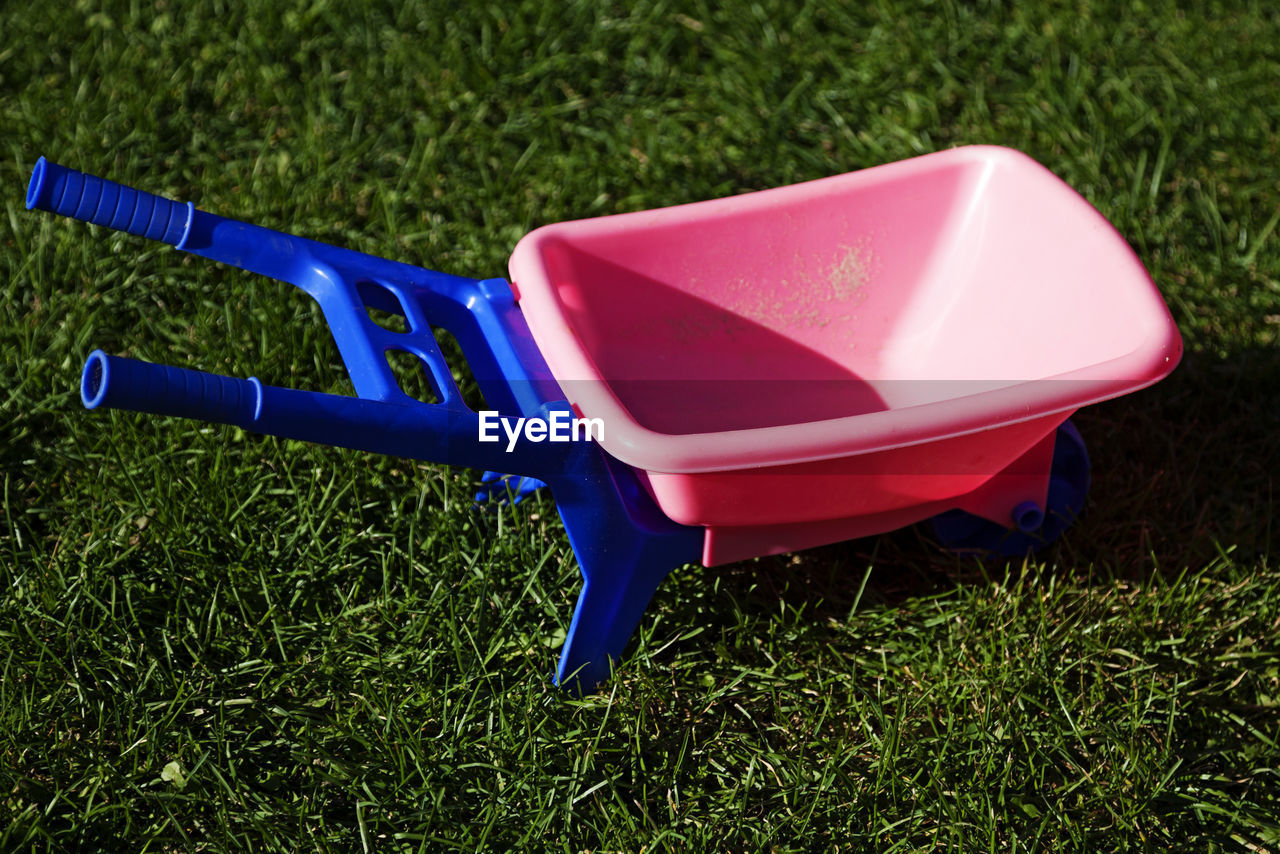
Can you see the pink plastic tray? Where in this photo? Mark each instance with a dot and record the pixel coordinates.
(848, 351)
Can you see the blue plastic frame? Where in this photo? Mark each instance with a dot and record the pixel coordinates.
(624, 544)
(1034, 528)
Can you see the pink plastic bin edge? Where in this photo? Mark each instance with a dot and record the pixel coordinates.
(646, 449)
(697, 478)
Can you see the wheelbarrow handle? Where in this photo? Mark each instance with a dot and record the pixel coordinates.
(436, 433)
(89, 198)
(481, 313)
(62, 190)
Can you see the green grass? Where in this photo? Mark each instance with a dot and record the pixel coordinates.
(339, 655)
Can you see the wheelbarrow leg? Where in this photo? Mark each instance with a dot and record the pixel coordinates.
(608, 610)
(625, 546)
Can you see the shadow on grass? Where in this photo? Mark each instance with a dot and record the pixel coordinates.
(1182, 472)
(1185, 469)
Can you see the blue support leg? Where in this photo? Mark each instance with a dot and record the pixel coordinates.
(608, 611)
(625, 547)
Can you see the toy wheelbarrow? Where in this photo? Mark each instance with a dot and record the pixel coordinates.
(751, 375)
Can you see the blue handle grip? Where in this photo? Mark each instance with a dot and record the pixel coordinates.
(92, 199)
(423, 432)
(113, 382)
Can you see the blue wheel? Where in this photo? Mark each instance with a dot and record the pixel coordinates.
(1068, 485)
